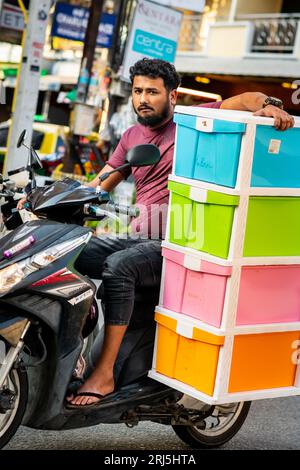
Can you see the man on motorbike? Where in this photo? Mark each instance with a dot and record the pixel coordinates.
(125, 263)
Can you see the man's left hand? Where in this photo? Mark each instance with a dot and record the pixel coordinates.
(283, 120)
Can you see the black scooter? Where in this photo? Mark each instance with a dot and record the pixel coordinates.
(50, 314)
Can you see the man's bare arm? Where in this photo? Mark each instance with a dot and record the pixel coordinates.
(253, 101)
(111, 182)
(250, 101)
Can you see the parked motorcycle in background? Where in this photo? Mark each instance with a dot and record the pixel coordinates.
(50, 314)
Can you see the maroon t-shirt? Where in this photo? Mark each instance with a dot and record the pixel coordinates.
(152, 194)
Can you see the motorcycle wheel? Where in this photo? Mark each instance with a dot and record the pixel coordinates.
(220, 424)
(11, 419)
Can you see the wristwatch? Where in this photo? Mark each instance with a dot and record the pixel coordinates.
(273, 101)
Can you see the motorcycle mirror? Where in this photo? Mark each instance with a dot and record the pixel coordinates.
(140, 155)
(35, 162)
(143, 155)
(22, 138)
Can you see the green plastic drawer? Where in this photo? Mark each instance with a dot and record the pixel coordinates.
(273, 227)
(201, 220)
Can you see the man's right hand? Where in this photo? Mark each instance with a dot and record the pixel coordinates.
(283, 120)
(21, 203)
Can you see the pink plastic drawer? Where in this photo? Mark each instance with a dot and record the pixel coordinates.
(194, 287)
(269, 294)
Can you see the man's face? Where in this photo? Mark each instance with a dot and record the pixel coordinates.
(152, 102)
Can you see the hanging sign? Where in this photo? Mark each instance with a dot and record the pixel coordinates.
(154, 34)
(70, 22)
(11, 17)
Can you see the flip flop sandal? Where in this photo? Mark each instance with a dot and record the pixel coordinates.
(73, 386)
(87, 394)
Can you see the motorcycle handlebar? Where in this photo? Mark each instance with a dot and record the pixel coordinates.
(122, 209)
(15, 172)
(111, 208)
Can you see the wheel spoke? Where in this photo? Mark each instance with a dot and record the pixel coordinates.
(12, 383)
(16, 385)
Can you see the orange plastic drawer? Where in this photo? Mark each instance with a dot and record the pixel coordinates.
(263, 361)
(187, 353)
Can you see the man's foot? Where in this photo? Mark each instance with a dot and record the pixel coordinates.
(98, 396)
(91, 392)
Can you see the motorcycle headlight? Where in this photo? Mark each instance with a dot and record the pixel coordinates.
(15, 273)
(10, 276)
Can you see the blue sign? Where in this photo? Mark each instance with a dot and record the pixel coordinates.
(154, 46)
(70, 22)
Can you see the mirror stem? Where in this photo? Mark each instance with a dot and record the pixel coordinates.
(104, 176)
(33, 181)
(26, 146)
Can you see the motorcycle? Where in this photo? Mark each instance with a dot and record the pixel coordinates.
(50, 315)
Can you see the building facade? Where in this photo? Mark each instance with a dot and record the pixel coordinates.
(237, 45)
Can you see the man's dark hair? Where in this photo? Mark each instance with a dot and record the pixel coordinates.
(156, 68)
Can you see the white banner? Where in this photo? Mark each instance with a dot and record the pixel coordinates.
(192, 5)
(154, 33)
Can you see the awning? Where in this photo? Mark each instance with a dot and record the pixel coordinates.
(191, 62)
(47, 82)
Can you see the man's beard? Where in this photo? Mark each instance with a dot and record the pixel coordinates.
(155, 119)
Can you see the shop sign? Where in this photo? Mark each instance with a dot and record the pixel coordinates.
(154, 33)
(11, 17)
(70, 22)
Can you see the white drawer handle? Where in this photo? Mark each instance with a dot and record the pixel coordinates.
(183, 329)
(204, 124)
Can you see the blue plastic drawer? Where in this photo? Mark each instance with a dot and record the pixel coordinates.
(211, 154)
(276, 159)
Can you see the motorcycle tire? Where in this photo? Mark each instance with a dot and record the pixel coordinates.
(208, 436)
(12, 419)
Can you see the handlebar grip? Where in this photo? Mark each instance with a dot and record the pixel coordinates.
(133, 211)
(18, 170)
(122, 209)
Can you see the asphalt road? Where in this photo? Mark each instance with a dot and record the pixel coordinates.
(271, 424)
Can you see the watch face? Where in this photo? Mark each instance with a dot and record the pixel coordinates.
(274, 101)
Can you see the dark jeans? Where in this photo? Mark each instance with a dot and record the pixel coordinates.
(123, 265)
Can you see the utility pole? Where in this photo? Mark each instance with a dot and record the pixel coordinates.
(84, 113)
(123, 10)
(90, 42)
(115, 48)
(27, 87)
